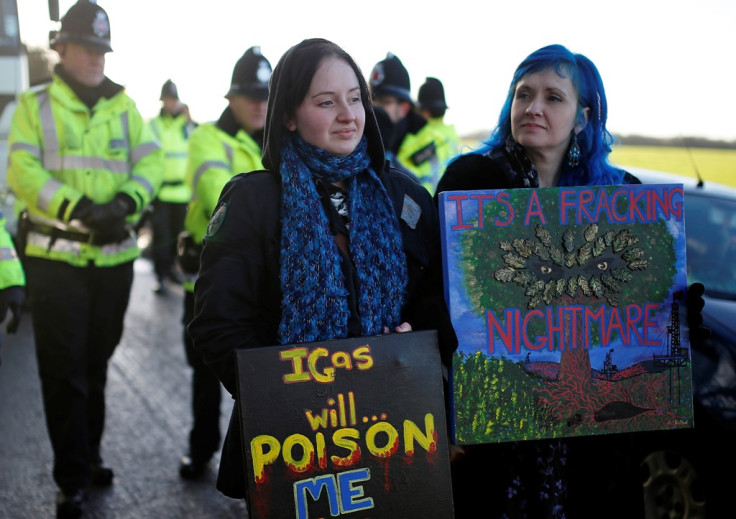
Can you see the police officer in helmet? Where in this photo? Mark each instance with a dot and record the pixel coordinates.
(218, 151)
(171, 127)
(412, 142)
(84, 164)
(433, 107)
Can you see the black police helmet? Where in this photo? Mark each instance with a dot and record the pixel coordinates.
(169, 90)
(432, 95)
(251, 75)
(389, 77)
(85, 24)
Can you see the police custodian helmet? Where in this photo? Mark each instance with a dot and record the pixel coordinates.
(432, 95)
(251, 75)
(169, 90)
(389, 77)
(85, 24)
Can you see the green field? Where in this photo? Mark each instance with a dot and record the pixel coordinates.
(715, 165)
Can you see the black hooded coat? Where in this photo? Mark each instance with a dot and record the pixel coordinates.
(238, 294)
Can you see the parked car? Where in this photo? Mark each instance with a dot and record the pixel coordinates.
(690, 473)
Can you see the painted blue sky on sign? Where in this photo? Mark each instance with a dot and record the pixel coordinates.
(472, 329)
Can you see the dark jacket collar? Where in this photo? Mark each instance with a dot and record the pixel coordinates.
(88, 95)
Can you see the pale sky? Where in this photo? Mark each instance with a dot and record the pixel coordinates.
(668, 66)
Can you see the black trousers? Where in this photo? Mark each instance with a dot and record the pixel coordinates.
(204, 437)
(77, 315)
(167, 222)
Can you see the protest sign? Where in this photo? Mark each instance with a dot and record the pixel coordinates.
(569, 308)
(351, 427)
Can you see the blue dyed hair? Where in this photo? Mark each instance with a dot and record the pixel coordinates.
(594, 140)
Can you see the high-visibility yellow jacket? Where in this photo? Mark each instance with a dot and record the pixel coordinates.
(448, 145)
(60, 151)
(418, 153)
(173, 132)
(11, 270)
(214, 158)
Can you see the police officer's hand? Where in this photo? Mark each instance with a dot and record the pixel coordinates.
(11, 298)
(110, 216)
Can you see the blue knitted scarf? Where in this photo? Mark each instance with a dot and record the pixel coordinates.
(315, 306)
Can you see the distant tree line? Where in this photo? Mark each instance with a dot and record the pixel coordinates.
(640, 140)
(675, 142)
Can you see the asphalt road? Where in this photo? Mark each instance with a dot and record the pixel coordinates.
(148, 420)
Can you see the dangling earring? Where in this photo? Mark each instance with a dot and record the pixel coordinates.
(510, 143)
(573, 153)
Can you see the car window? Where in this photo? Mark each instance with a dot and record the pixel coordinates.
(711, 242)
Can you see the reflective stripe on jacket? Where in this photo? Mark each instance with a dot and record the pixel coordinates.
(173, 135)
(214, 158)
(60, 151)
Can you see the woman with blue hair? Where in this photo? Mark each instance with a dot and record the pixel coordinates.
(551, 132)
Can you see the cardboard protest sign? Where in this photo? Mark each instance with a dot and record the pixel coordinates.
(569, 308)
(351, 427)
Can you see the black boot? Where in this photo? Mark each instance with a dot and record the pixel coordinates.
(189, 468)
(100, 476)
(69, 504)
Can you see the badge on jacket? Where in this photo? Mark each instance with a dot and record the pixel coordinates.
(216, 221)
(410, 212)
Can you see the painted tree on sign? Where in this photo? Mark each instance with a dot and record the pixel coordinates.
(533, 267)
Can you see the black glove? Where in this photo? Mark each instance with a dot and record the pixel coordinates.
(105, 221)
(694, 303)
(12, 298)
(109, 216)
(80, 210)
(188, 253)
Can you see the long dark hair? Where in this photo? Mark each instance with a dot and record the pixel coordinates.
(288, 87)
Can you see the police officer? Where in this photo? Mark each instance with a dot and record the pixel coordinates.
(413, 141)
(84, 164)
(432, 106)
(217, 152)
(171, 127)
